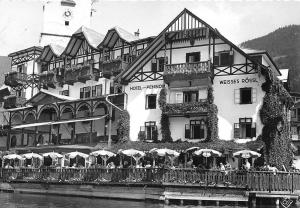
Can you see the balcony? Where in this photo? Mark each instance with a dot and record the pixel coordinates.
(88, 72)
(71, 75)
(186, 71)
(14, 79)
(186, 109)
(113, 67)
(50, 79)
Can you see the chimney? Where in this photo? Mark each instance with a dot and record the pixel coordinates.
(137, 33)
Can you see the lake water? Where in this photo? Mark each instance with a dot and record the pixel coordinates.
(13, 200)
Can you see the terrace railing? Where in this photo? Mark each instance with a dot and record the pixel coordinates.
(252, 181)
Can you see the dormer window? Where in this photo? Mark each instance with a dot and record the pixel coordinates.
(224, 58)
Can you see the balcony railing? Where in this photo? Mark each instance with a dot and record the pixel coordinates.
(71, 75)
(182, 109)
(14, 79)
(88, 72)
(50, 79)
(253, 180)
(112, 67)
(186, 71)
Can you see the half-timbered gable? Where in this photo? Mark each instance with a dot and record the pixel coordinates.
(187, 59)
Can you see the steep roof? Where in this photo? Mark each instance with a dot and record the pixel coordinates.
(51, 50)
(46, 97)
(92, 37)
(185, 21)
(114, 34)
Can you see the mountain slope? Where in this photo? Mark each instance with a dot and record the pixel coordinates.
(284, 46)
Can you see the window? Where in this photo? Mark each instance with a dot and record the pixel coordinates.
(21, 68)
(298, 114)
(192, 57)
(293, 113)
(190, 96)
(96, 91)
(158, 64)
(150, 101)
(245, 129)
(126, 57)
(20, 93)
(150, 128)
(64, 92)
(196, 130)
(67, 23)
(257, 58)
(245, 95)
(85, 92)
(224, 58)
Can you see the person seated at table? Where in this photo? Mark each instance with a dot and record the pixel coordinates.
(139, 165)
(148, 165)
(190, 163)
(228, 166)
(272, 168)
(74, 165)
(222, 167)
(247, 165)
(111, 165)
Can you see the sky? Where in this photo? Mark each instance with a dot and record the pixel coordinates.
(21, 20)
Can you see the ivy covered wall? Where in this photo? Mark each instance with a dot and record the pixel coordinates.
(274, 116)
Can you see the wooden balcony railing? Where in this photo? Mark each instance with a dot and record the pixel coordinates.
(14, 79)
(186, 71)
(186, 108)
(50, 79)
(252, 180)
(71, 74)
(88, 72)
(112, 67)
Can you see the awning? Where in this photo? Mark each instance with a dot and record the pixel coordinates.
(57, 122)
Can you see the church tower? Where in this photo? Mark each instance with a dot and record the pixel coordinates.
(61, 18)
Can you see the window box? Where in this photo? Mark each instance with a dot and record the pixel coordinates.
(182, 109)
(186, 71)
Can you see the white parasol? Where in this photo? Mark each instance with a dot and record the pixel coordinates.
(172, 154)
(104, 154)
(208, 152)
(32, 155)
(246, 154)
(135, 154)
(53, 155)
(12, 157)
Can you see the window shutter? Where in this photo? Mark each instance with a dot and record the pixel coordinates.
(237, 132)
(253, 130)
(153, 65)
(254, 95)
(179, 97)
(187, 133)
(216, 61)
(237, 96)
(166, 60)
(197, 57)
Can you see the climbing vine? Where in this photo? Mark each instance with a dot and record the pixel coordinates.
(164, 119)
(123, 126)
(273, 114)
(212, 117)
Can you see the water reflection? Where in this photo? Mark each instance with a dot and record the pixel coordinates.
(10, 200)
